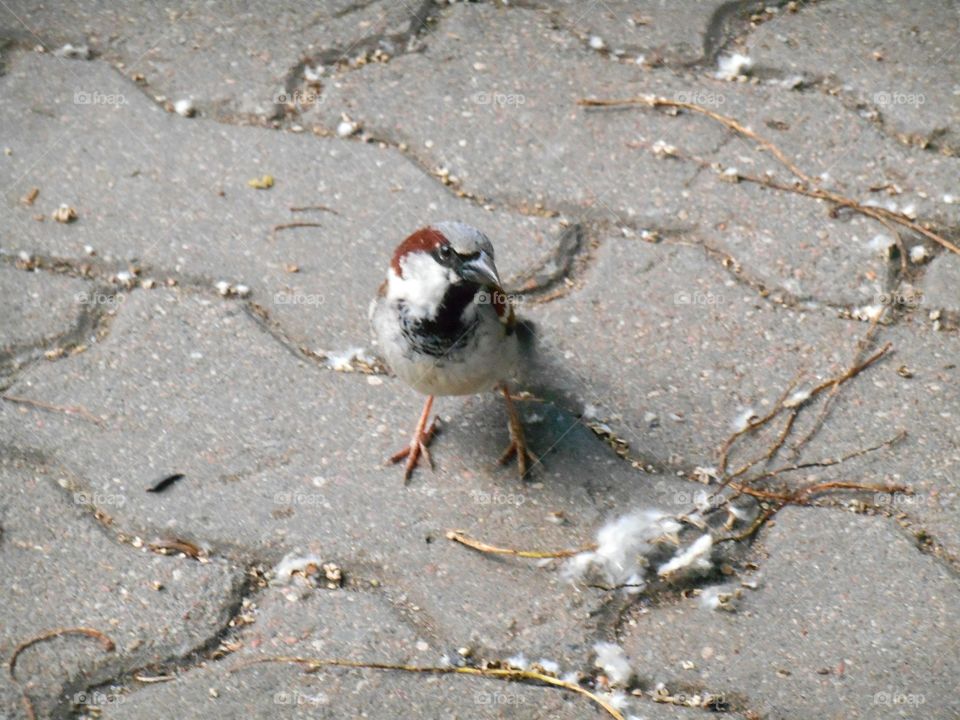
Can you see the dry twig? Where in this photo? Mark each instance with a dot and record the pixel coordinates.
(807, 187)
(460, 537)
(308, 208)
(501, 673)
(287, 226)
(76, 410)
(105, 642)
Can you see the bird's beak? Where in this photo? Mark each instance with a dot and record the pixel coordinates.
(480, 270)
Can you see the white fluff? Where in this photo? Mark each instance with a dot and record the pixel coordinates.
(867, 312)
(549, 666)
(744, 420)
(881, 244)
(343, 361)
(617, 700)
(716, 598)
(695, 558)
(918, 254)
(622, 547)
(662, 148)
(79, 52)
(614, 663)
(730, 67)
(292, 564)
(797, 398)
(518, 661)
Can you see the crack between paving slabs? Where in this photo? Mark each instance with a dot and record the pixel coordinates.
(237, 610)
(439, 175)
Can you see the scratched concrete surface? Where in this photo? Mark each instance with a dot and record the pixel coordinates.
(186, 323)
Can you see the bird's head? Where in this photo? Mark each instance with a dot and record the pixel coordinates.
(440, 259)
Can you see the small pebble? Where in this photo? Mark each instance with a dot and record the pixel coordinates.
(64, 214)
(346, 128)
(597, 43)
(185, 107)
(80, 52)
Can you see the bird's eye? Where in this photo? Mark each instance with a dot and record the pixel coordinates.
(444, 251)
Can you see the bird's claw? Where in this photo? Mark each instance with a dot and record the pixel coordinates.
(416, 448)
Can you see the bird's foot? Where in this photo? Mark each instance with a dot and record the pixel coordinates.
(417, 447)
(525, 458)
(518, 444)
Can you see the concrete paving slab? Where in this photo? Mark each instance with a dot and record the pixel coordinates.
(65, 570)
(796, 646)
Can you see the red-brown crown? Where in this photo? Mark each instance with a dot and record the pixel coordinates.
(423, 240)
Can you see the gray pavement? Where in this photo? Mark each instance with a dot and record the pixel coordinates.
(188, 323)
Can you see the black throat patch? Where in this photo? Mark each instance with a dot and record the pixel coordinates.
(446, 331)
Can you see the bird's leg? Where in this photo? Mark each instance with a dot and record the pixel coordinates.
(418, 444)
(518, 445)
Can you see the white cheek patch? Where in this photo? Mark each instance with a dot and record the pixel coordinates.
(423, 284)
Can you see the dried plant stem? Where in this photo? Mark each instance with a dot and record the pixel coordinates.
(290, 225)
(810, 188)
(759, 522)
(308, 208)
(508, 674)
(851, 372)
(729, 122)
(80, 412)
(459, 536)
(835, 389)
(877, 213)
(105, 642)
(752, 427)
(829, 462)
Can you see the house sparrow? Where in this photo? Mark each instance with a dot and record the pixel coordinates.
(447, 327)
